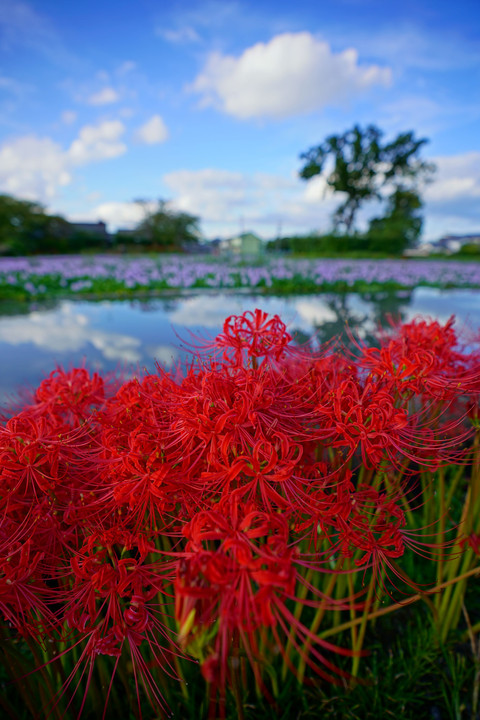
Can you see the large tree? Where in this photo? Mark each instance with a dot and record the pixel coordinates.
(363, 168)
(164, 227)
(25, 228)
(401, 225)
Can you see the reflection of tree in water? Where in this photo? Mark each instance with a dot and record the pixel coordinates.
(388, 304)
(149, 304)
(12, 308)
(354, 321)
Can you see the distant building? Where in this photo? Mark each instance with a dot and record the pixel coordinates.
(127, 233)
(422, 250)
(214, 246)
(246, 246)
(99, 229)
(453, 243)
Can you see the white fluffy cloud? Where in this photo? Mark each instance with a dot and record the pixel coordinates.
(458, 176)
(117, 214)
(216, 195)
(453, 199)
(34, 168)
(105, 96)
(97, 142)
(153, 131)
(293, 73)
(226, 201)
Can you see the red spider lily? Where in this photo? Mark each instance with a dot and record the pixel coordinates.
(367, 418)
(268, 474)
(24, 594)
(376, 524)
(236, 575)
(255, 332)
(248, 337)
(424, 357)
(139, 479)
(237, 492)
(144, 474)
(115, 598)
(29, 453)
(242, 429)
(113, 585)
(348, 522)
(47, 478)
(364, 418)
(69, 396)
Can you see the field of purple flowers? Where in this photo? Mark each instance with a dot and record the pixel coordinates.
(107, 275)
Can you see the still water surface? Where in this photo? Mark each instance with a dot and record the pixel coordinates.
(131, 335)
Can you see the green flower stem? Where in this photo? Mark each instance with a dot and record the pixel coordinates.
(301, 595)
(341, 588)
(453, 486)
(456, 555)
(363, 625)
(237, 689)
(409, 515)
(19, 671)
(319, 615)
(351, 593)
(449, 609)
(398, 606)
(440, 532)
(45, 688)
(451, 616)
(179, 671)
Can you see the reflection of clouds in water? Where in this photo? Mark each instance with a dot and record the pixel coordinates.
(431, 302)
(299, 313)
(165, 355)
(65, 330)
(210, 311)
(312, 312)
(116, 347)
(305, 313)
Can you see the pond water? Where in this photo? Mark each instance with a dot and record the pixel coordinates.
(133, 334)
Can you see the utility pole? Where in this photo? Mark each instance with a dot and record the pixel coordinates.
(279, 229)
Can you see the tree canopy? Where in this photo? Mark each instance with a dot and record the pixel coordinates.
(26, 228)
(165, 227)
(364, 168)
(401, 225)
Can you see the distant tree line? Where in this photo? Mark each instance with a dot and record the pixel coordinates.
(161, 229)
(392, 234)
(357, 165)
(27, 229)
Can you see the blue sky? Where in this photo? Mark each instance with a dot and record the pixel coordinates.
(209, 104)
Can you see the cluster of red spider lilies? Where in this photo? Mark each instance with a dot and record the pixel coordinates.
(237, 512)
